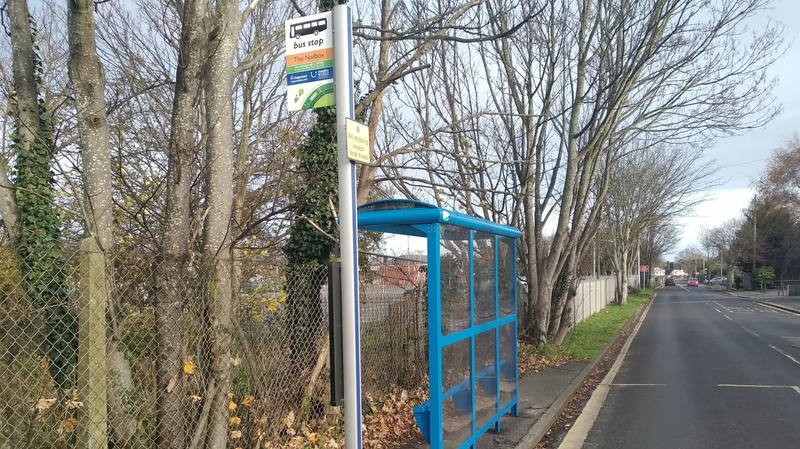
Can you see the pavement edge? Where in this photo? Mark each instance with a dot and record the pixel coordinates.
(779, 306)
(543, 424)
(765, 303)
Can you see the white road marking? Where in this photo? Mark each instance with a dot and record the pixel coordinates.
(748, 330)
(789, 356)
(777, 310)
(681, 286)
(786, 355)
(580, 430)
(662, 303)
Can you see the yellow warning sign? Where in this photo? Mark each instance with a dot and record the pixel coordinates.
(357, 141)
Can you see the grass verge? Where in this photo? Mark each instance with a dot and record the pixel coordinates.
(587, 339)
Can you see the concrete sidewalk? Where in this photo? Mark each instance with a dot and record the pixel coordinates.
(542, 397)
(538, 393)
(768, 297)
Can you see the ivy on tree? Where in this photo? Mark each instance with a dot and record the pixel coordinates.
(40, 262)
(308, 249)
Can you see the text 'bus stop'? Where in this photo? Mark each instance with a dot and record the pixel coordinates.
(472, 317)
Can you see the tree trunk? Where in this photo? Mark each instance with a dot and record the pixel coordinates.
(622, 277)
(171, 283)
(8, 207)
(25, 97)
(37, 231)
(218, 86)
(541, 313)
(366, 173)
(25, 88)
(88, 81)
(568, 317)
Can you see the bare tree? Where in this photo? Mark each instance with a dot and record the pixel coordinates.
(648, 186)
(183, 148)
(88, 80)
(721, 241)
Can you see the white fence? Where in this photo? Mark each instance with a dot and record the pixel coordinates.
(593, 295)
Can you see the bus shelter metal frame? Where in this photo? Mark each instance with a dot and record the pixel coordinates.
(414, 218)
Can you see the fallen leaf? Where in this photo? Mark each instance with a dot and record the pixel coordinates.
(289, 420)
(172, 382)
(236, 421)
(237, 361)
(196, 399)
(236, 434)
(189, 367)
(248, 401)
(43, 404)
(231, 406)
(67, 425)
(230, 395)
(73, 404)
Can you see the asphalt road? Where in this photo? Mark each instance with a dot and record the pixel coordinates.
(705, 370)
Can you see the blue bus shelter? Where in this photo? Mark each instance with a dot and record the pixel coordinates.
(472, 317)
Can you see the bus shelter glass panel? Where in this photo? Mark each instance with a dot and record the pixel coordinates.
(508, 363)
(506, 264)
(486, 390)
(485, 277)
(456, 394)
(454, 273)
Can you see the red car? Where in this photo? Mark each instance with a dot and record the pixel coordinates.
(692, 283)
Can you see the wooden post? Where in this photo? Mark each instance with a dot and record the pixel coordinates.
(92, 369)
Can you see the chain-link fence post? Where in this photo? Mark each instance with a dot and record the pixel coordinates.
(92, 368)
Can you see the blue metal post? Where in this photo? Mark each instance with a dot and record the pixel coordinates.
(497, 327)
(434, 335)
(514, 348)
(471, 325)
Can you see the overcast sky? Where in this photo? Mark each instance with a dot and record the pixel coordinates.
(743, 158)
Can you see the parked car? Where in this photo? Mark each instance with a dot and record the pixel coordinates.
(718, 280)
(692, 283)
(669, 281)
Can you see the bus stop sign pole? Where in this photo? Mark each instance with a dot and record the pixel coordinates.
(348, 236)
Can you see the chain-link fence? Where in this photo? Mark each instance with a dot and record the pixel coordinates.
(131, 350)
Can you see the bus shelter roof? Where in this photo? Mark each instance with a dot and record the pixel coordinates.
(408, 217)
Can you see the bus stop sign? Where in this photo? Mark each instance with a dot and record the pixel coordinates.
(309, 62)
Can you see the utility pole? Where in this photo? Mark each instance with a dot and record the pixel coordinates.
(639, 262)
(755, 232)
